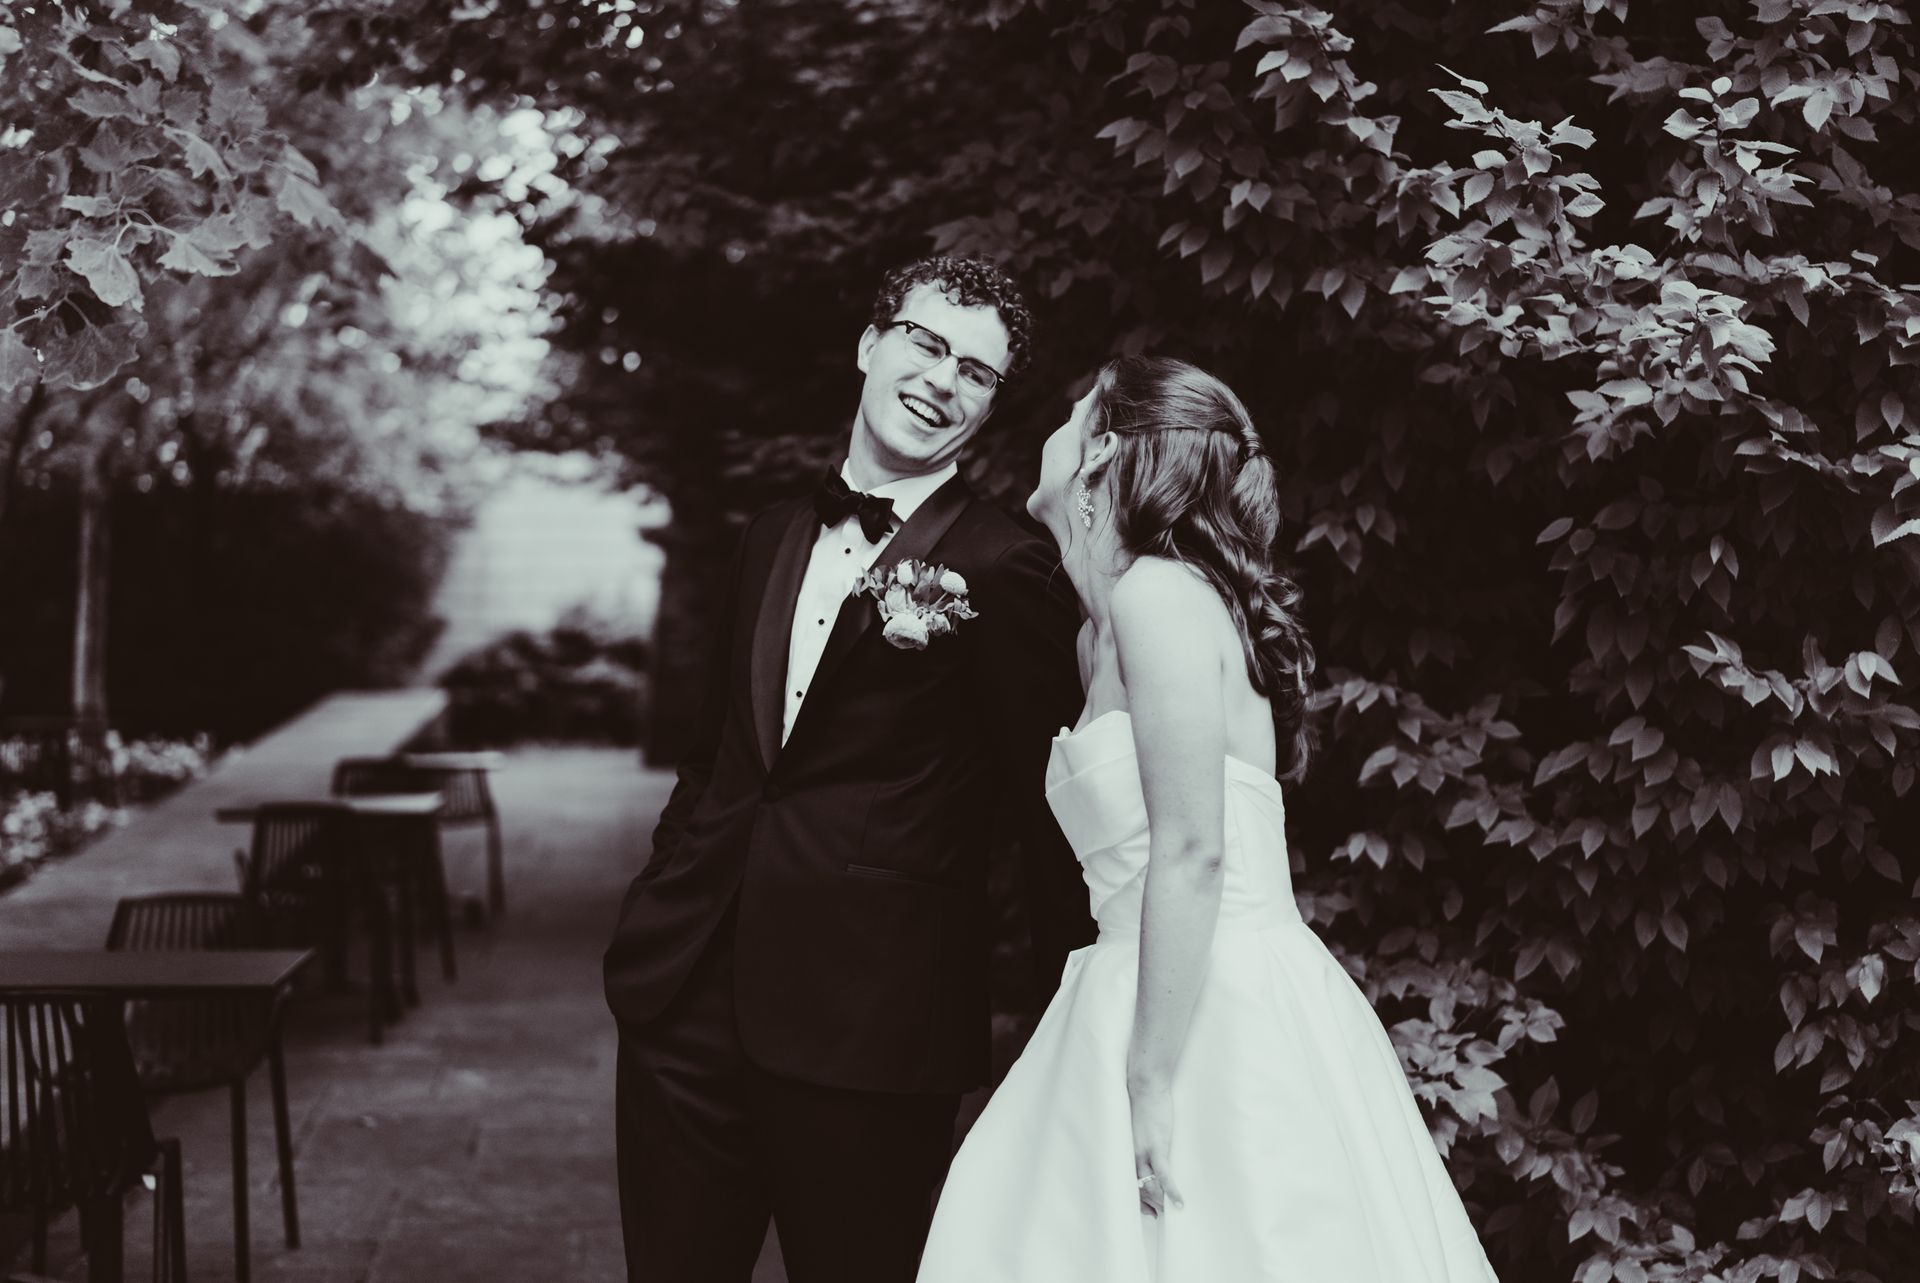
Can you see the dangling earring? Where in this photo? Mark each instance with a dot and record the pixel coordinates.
(1083, 500)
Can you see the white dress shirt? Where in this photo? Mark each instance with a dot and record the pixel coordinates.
(842, 551)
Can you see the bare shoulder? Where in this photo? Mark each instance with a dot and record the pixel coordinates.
(1158, 593)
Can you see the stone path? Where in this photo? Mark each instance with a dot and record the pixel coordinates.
(477, 1143)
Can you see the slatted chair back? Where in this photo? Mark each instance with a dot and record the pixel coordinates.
(74, 1127)
(73, 1124)
(298, 848)
(186, 920)
(468, 799)
(360, 776)
(187, 1043)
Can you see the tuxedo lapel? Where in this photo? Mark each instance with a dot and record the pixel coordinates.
(913, 540)
(773, 628)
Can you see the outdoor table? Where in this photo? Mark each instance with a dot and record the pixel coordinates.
(134, 975)
(185, 973)
(376, 812)
(484, 760)
(387, 805)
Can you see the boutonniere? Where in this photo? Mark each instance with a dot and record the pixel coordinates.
(917, 602)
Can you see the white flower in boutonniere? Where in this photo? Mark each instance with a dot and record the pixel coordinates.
(917, 602)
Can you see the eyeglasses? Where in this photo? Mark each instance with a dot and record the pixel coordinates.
(977, 376)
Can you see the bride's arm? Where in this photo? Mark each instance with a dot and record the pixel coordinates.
(1169, 662)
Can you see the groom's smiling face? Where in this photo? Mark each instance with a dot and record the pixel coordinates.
(915, 414)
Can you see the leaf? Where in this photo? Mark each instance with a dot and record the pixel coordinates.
(1627, 391)
(1568, 134)
(18, 364)
(101, 104)
(184, 256)
(106, 270)
(1674, 927)
(90, 356)
(1883, 862)
(1212, 264)
(1872, 974)
(1475, 85)
(1816, 109)
(1379, 760)
(1475, 190)
(35, 281)
(163, 56)
(202, 158)
(1888, 527)
(1555, 529)
(234, 107)
(110, 152)
(307, 203)
(1585, 205)
(1409, 278)
(1782, 760)
(1260, 276)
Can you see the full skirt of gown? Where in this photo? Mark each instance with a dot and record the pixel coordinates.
(1297, 1143)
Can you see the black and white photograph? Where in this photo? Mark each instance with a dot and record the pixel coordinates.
(959, 641)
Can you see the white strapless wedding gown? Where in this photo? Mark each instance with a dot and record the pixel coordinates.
(1297, 1143)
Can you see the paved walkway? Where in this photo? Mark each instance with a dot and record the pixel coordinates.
(176, 845)
(538, 546)
(476, 1144)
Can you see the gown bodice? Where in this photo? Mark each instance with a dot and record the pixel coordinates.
(1093, 786)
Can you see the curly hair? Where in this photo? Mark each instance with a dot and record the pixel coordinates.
(970, 282)
(1192, 482)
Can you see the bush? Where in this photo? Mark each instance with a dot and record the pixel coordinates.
(228, 612)
(34, 826)
(583, 682)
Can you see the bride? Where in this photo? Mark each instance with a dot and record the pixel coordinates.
(1208, 1097)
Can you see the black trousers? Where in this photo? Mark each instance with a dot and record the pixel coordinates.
(711, 1147)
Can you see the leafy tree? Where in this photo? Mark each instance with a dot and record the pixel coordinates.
(223, 281)
(1592, 396)
(1589, 365)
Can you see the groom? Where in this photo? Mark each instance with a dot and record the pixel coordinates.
(800, 972)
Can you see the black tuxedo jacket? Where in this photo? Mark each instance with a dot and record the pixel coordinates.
(858, 852)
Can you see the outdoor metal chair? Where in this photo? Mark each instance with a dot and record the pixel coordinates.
(405, 848)
(469, 801)
(191, 1044)
(75, 1132)
(308, 875)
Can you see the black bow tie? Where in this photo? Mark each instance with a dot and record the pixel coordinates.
(835, 501)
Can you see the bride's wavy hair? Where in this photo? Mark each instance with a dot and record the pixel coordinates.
(1192, 482)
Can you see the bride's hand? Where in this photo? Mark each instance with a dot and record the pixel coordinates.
(1152, 1146)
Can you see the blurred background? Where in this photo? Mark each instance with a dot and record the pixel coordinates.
(446, 343)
